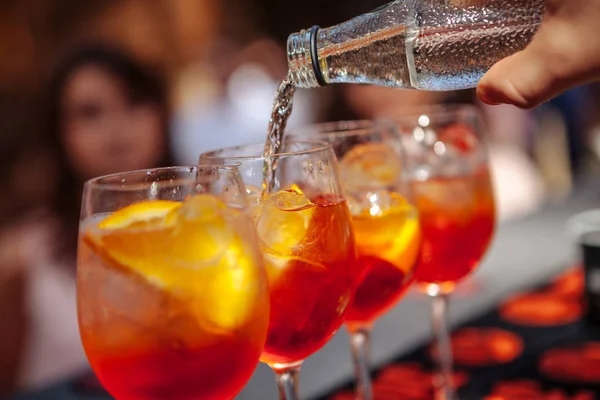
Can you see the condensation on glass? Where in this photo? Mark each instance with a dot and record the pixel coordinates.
(422, 44)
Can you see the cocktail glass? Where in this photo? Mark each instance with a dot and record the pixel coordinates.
(308, 243)
(386, 225)
(171, 286)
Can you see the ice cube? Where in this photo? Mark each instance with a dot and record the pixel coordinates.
(200, 207)
(355, 204)
(253, 194)
(370, 203)
(370, 166)
(283, 220)
(447, 193)
(116, 307)
(291, 200)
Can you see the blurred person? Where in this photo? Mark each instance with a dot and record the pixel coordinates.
(106, 113)
(103, 113)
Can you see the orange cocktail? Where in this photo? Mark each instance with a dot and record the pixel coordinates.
(308, 244)
(448, 164)
(388, 241)
(458, 219)
(386, 226)
(172, 299)
(309, 249)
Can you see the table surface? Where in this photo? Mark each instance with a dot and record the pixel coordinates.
(525, 253)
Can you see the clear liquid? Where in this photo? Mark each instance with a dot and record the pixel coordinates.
(378, 58)
(458, 58)
(282, 110)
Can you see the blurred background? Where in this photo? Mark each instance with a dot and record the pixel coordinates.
(100, 86)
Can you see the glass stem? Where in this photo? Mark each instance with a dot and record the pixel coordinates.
(444, 382)
(360, 340)
(287, 382)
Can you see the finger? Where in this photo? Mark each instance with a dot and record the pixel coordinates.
(549, 65)
(525, 80)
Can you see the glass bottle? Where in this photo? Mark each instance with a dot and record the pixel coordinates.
(415, 44)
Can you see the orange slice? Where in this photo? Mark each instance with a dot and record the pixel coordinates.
(138, 213)
(394, 234)
(189, 250)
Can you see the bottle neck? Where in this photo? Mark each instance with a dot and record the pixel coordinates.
(303, 59)
(365, 49)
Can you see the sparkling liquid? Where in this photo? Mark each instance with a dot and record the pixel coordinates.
(282, 110)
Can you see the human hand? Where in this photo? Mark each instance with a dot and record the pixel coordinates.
(564, 53)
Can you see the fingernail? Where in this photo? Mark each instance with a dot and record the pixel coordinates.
(488, 98)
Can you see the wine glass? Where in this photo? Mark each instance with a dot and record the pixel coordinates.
(386, 225)
(448, 164)
(171, 284)
(308, 243)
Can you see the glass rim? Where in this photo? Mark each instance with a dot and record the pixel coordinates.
(98, 182)
(342, 128)
(211, 155)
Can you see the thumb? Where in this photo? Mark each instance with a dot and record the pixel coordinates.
(548, 66)
(524, 79)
